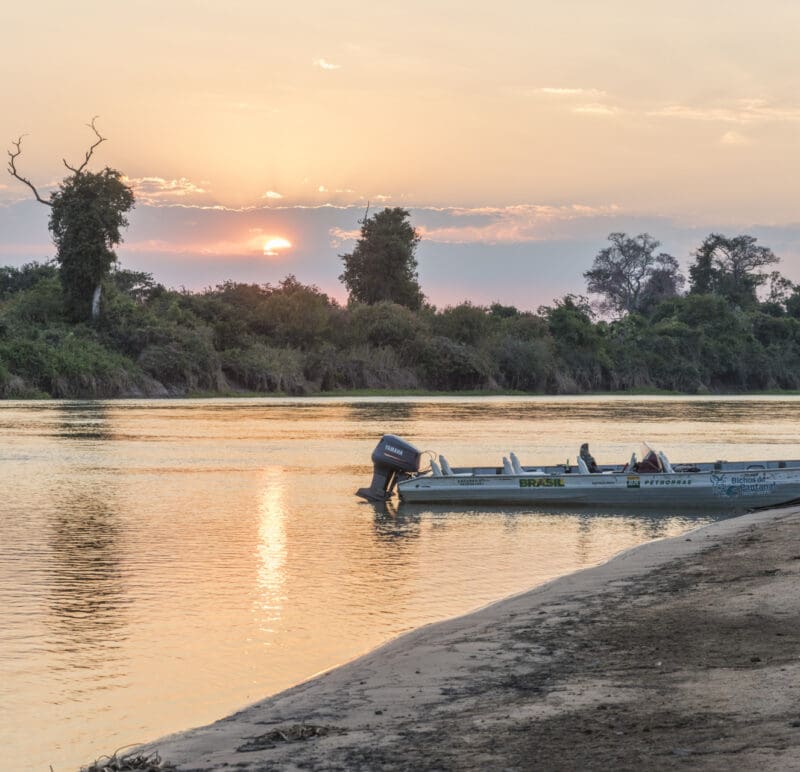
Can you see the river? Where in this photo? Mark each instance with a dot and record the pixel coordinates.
(163, 563)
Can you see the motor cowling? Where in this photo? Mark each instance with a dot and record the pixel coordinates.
(391, 458)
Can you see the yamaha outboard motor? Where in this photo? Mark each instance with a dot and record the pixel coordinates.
(391, 457)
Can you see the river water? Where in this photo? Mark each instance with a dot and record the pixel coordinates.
(163, 563)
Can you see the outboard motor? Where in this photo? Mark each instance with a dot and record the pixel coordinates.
(391, 457)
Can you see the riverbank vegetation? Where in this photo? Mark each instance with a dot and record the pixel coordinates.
(292, 338)
(82, 326)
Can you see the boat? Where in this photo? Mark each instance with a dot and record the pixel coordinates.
(652, 481)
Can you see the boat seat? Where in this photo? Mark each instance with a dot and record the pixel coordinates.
(582, 468)
(447, 470)
(435, 471)
(665, 463)
(517, 467)
(507, 468)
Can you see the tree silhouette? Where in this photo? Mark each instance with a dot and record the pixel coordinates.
(382, 266)
(87, 214)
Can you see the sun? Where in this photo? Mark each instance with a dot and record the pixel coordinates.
(275, 244)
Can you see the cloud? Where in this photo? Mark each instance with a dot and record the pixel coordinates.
(595, 108)
(518, 224)
(741, 111)
(581, 92)
(158, 191)
(735, 138)
(341, 235)
(513, 224)
(326, 65)
(272, 195)
(252, 247)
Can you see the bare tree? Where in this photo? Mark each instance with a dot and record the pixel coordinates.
(87, 212)
(17, 152)
(629, 276)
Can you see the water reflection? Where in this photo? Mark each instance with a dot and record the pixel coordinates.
(87, 589)
(271, 549)
(83, 421)
(388, 412)
(393, 524)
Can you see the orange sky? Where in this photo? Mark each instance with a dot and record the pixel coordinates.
(579, 109)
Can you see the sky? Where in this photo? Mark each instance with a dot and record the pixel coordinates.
(518, 134)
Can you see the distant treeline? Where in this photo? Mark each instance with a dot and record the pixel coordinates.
(292, 338)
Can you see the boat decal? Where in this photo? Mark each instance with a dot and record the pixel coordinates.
(668, 481)
(470, 481)
(633, 481)
(747, 484)
(541, 482)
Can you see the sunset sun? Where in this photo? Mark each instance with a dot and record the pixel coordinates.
(274, 245)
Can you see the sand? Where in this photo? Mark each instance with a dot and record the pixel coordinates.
(682, 653)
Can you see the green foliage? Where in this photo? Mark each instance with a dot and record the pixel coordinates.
(137, 285)
(524, 365)
(465, 323)
(382, 267)
(291, 314)
(383, 324)
(40, 303)
(450, 366)
(292, 338)
(14, 280)
(263, 368)
(63, 362)
(87, 215)
(731, 268)
(186, 359)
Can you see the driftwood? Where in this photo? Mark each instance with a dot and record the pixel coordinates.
(287, 734)
(132, 761)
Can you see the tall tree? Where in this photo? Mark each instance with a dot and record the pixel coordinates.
(87, 214)
(730, 267)
(383, 266)
(629, 276)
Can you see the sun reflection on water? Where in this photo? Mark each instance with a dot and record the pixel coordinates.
(271, 550)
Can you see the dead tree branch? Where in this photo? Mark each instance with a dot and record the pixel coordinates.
(12, 170)
(89, 152)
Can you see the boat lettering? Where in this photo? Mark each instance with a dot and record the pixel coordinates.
(633, 481)
(541, 482)
(470, 481)
(753, 484)
(668, 481)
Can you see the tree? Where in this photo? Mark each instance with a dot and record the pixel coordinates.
(87, 214)
(730, 267)
(382, 266)
(630, 277)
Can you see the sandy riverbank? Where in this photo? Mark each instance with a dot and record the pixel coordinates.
(681, 653)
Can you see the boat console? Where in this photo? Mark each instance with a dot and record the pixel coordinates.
(391, 458)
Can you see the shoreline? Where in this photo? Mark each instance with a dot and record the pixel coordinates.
(395, 395)
(677, 651)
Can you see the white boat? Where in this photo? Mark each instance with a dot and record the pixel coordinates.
(651, 482)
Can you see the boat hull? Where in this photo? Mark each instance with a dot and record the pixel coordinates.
(736, 489)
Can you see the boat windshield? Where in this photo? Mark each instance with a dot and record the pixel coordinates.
(649, 460)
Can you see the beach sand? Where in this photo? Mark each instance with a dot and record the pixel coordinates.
(682, 653)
